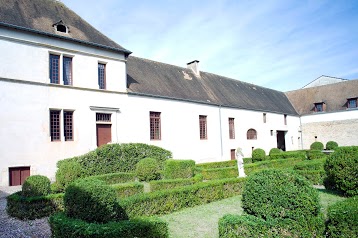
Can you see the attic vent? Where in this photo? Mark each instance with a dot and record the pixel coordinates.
(60, 27)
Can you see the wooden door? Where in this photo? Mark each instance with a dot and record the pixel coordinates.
(233, 156)
(104, 134)
(18, 175)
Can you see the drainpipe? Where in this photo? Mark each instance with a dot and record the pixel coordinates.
(301, 134)
(221, 134)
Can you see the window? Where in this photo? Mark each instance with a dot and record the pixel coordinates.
(102, 76)
(61, 28)
(68, 125)
(203, 128)
(271, 132)
(155, 133)
(251, 134)
(352, 103)
(318, 107)
(67, 70)
(285, 119)
(55, 125)
(232, 128)
(103, 117)
(264, 117)
(54, 69)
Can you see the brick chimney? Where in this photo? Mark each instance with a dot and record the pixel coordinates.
(194, 66)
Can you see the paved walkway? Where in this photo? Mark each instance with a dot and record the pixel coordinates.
(14, 228)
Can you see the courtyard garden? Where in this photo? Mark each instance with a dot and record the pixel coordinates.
(138, 190)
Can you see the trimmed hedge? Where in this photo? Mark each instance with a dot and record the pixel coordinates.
(317, 164)
(110, 158)
(36, 185)
(317, 146)
(215, 165)
(289, 154)
(331, 145)
(343, 219)
(315, 154)
(67, 171)
(33, 207)
(275, 151)
(174, 169)
(258, 155)
(128, 189)
(174, 183)
(150, 227)
(314, 176)
(114, 178)
(342, 168)
(92, 201)
(277, 194)
(148, 169)
(248, 226)
(271, 164)
(247, 160)
(168, 201)
(220, 173)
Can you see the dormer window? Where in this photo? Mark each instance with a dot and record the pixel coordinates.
(352, 103)
(319, 107)
(60, 27)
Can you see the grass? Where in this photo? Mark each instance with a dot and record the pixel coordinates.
(202, 221)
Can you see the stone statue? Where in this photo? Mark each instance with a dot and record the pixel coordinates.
(240, 162)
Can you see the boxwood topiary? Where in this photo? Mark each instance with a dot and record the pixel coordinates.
(93, 201)
(275, 151)
(317, 146)
(341, 169)
(36, 185)
(174, 169)
(67, 172)
(148, 169)
(277, 194)
(258, 155)
(331, 145)
(343, 219)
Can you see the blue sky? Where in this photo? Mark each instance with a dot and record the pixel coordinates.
(281, 45)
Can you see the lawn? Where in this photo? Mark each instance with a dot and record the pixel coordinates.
(202, 221)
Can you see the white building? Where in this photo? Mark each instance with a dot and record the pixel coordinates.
(66, 89)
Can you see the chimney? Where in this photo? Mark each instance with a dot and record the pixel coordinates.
(194, 66)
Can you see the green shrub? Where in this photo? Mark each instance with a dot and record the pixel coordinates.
(92, 201)
(220, 164)
(220, 173)
(128, 189)
(315, 154)
(151, 227)
(314, 176)
(331, 145)
(248, 226)
(114, 178)
(271, 164)
(36, 185)
(317, 164)
(275, 151)
(343, 219)
(277, 194)
(174, 169)
(30, 208)
(174, 183)
(67, 172)
(289, 154)
(247, 160)
(342, 168)
(317, 146)
(148, 169)
(113, 158)
(168, 201)
(258, 155)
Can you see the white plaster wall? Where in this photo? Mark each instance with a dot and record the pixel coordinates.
(31, 54)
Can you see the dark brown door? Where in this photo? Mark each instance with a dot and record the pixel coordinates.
(18, 175)
(104, 134)
(233, 157)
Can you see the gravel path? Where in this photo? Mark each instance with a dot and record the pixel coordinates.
(14, 228)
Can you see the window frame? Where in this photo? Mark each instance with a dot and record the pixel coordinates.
(66, 81)
(251, 134)
(101, 75)
(203, 127)
(231, 128)
(349, 100)
(319, 107)
(55, 125)
(54, 68)
(155, 131)
(68, 122)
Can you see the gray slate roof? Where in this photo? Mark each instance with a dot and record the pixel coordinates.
(333, 95)
(39, 16)
(159, 79)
